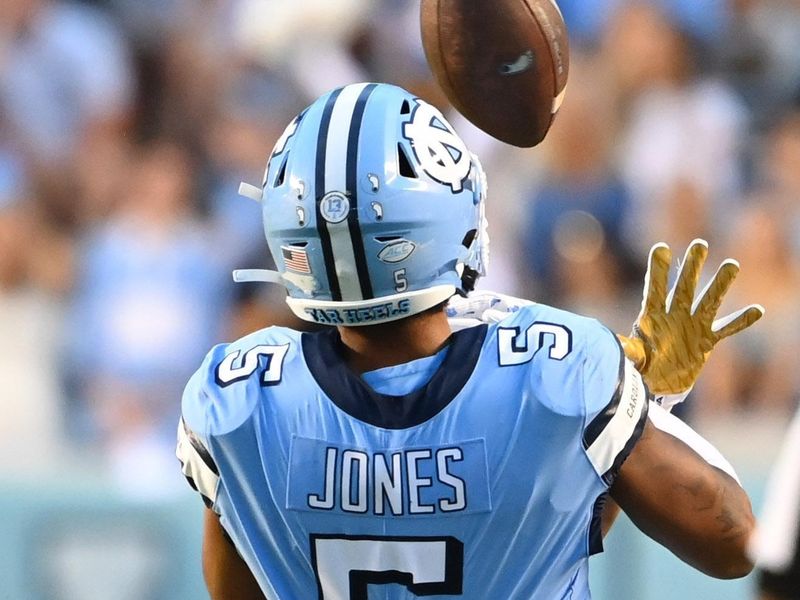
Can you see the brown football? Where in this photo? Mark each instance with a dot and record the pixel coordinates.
(502, 63)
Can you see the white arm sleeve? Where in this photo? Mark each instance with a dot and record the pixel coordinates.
(669, 423)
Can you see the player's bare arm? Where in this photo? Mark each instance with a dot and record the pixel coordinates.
(227, 576)
(697, 511)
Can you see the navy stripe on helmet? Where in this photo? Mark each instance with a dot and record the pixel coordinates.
(319, 191)
(352, 187)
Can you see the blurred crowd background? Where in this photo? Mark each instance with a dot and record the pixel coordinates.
(126, 126)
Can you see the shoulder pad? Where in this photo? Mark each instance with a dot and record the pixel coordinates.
(576, 368)
(223, 392)
(552, 344)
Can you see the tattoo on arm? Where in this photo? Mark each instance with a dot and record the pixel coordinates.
(694, 509)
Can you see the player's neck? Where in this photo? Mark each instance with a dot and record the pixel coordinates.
(378, 346)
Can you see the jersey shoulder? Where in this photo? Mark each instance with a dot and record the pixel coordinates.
(570, 358)
(222, 395)
(582, 328)
(223, 392)
(576, 369)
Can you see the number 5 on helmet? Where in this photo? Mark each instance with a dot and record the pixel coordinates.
(675, 332)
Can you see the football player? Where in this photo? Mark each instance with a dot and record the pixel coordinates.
(776, 545)
(387, 456)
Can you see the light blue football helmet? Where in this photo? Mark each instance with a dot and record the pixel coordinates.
(373, 208)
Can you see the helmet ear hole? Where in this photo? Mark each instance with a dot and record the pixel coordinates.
(469, 238)
(469, 276)
(406, 169)
(468, 280)
(405, 108)
(281, 177)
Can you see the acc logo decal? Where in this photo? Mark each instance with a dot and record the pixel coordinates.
(334, 207)
(439, 151)
(396, 251)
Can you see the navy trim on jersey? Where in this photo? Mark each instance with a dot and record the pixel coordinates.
(201, 450)
(323, 352)
(596, 525)
(599, 423)
(319, 191)
(206, 500)
(611, 475)
(352, 189)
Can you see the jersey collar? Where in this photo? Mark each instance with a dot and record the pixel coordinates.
(323, 353)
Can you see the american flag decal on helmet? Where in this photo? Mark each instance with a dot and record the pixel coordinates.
(296, 259)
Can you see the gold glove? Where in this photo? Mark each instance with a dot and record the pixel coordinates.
(675, 333)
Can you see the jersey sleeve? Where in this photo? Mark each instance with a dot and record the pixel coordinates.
(222, 396)
(616, 402)
(577, 370)
(197, 463)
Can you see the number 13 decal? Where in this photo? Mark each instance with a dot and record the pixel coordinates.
(345, 565)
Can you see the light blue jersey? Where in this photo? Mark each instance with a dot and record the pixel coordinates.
(478, 473)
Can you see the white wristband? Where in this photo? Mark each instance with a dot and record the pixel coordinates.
(669, 401)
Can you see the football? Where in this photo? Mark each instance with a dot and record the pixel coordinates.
(502, 63)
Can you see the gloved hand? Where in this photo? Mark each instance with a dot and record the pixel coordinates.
(675, 332)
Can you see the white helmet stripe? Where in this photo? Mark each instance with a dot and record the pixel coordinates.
(337, 222)
(353, 174)
(336, 155)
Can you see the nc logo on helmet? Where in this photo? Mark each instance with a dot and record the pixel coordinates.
(334, 207)
(440, 152)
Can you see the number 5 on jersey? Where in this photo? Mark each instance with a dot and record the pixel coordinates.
(426, 566)
(517, 347)
(233, 368)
